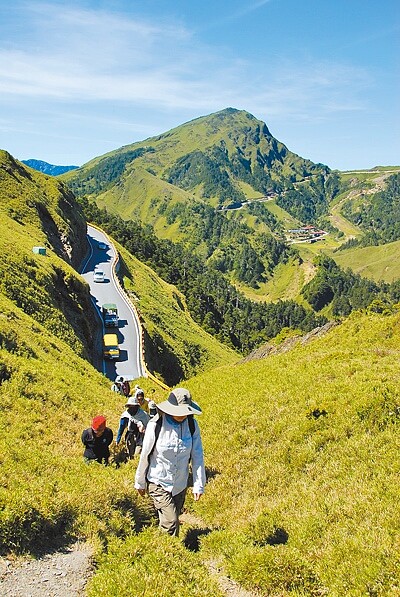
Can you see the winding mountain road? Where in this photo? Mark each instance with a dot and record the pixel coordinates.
(130, 362)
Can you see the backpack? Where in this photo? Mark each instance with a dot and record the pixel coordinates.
(157, 430)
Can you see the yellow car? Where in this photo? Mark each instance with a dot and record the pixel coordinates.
(110, 346)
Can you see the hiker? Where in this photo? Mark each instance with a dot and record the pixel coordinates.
(97, 440)
(171, 440)
(125, 387)
(149, 406)
(135, 420)
(116, 386)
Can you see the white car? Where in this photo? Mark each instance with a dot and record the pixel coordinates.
(98, 276)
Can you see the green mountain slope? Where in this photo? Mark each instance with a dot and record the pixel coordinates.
(179, 180)
(48, 392)
(302, 457)
(375, 262)
(301, 448)
(207, 157)
(48, 395)
(37, 210)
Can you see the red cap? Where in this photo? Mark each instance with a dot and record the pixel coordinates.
(98, 422)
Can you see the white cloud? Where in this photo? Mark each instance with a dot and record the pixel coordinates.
(95, 56)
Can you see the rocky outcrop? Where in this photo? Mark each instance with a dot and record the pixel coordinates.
(267, 350)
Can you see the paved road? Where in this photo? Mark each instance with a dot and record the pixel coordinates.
(130, 361)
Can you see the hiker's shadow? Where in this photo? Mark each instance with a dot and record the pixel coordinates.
(191, 541)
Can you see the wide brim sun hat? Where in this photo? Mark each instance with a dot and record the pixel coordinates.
(180, 404)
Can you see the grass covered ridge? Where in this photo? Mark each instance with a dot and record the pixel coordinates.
(379, 263)
(305, 448)
(301, 448)
(38, 210)
(48, 395)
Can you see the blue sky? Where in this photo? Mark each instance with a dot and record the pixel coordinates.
(81, 79)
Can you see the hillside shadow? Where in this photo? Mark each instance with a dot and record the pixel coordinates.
(50, 537)
(278, 536)
(211, 473)
(162, 359)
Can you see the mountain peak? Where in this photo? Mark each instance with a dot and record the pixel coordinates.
(46, 168)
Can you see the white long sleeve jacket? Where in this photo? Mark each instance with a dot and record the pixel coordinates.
(169, 461)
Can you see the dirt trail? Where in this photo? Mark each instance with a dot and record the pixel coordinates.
(60, 574)
(226, 584)
(65, 573)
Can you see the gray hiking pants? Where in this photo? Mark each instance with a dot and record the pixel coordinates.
(168, 507)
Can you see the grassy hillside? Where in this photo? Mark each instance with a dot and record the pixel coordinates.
(37, 210)
(301, 448)
(377, 263)
(358, 190)
(48, 392)
(48, 496)
(159, 181)
(232, 135)
(367, 200)
(33, 199)
(48, 395)
(302, 456)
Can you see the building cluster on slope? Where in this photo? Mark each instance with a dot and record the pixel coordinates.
(305, 234)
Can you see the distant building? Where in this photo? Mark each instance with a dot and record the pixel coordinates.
(305, 233)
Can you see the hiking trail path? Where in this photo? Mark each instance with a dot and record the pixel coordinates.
(65, 573)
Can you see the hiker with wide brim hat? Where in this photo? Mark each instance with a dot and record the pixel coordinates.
(135, 420)
(171, 441)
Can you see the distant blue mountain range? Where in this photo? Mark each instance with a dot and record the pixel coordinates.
(48, 168)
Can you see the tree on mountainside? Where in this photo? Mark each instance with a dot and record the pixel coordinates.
(344, 289)
(306, 201)
(332, 185)
(211, 300)
(225, 239)
(247, 265)
(207, 169)
(105, 172)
